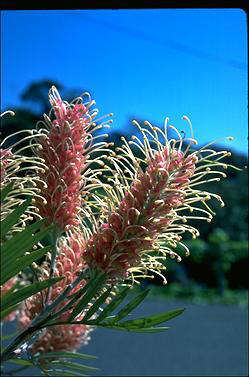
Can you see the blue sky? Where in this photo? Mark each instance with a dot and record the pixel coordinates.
(140, 63)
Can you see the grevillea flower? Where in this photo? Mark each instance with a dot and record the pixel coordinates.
(4, 155)
(63, 337)
(65, 144)
(141, 221)
(23, 172)
(3, 290)
(13, 168)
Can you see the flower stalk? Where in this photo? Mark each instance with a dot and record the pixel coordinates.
(41, 319)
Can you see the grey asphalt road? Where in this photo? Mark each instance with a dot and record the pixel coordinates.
(206, 340)
(203, 341)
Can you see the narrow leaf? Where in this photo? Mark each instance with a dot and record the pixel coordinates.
(130, 306)
(24, 293)
(112, 306)
(69, 305)
(96, 283)
(5, 337)
(97, 304)
(4, 192)
(23, 241)
(72, 365)
(13, 217)
(20, 361)
(7, 311)
(62, 372)
(21, 263)
(137, 330)
(12, 289)
(152, 320)
(65, 355)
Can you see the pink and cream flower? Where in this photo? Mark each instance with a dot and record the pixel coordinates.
(65, 146)
(62, 337)
(141, 221)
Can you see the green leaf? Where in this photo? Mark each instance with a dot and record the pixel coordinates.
(130, 306)
(61, 357)
(13, 217)
(111, 307)
(4, 192)
(72, 365)
(20, 362)
(65, 355)
(24, 293)
(5, 337)
(9, 271)
(23, 241)
(151, 321)
(62, 372)
(7, 311)
(137, 330)
(12, 289)
(97, 304)
(92, 288)
(76, 296)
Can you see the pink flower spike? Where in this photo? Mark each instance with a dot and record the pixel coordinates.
(142, 220)
(64, 146)
(68, 264)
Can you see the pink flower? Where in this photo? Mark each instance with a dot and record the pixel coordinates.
(62, 338)
(12, 162)
(143, 213)
(63, 148)
(3, 290)
(145, 216)
(68, 264)
(5, 154)
(59, 338)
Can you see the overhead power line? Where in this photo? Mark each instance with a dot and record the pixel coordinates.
(161, 41)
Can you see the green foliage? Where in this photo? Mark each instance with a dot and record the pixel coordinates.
(57, 360)
(5, 312)
(13, 298)
(218, 262)
(233, 218)
(108, 319)
(145, 324)
(90, 290)
(127, 309)
(97, 304)
(215, 272)
(16, 248)
(112, 305)
(17, 255)
(5, 191)
(9, 221)
(192, 292)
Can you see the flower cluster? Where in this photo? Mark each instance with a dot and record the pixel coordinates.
(15, 170)
(143, 221)
(64, 145)
(121, 216)
(63, 337)
(22, 172)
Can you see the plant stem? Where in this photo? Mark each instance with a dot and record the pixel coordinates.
(40, 319)
(8, 352)
(55, 237)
